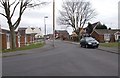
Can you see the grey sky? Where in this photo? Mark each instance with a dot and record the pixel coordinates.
(107, 13)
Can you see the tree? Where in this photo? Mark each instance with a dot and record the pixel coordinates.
(83, 11)
(9, 7)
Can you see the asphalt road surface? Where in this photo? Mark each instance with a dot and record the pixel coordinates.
(64, 60)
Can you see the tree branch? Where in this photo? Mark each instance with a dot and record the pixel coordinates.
(13, 3)
(3, 15)
(14, 10)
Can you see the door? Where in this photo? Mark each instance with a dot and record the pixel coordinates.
(8, 41)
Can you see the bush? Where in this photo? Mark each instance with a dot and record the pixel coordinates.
(76, 39)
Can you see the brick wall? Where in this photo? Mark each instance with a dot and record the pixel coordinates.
(4, 41)
(112, 38)
(22, 41)
(16, 41)
(98, 37)
(28, 39)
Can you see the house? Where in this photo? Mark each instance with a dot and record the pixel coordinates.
(21, 38)
(6, 39)
(61, 34)
(117, 34)
(104, 35)
(24, 36)
(29, 35)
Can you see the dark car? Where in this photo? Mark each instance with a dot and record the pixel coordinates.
(89, 42)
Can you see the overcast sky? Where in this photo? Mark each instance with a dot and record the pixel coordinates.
(107, 13)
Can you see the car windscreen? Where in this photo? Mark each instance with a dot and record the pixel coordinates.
(90, 39)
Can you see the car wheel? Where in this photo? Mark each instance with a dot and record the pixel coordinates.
(85, 46)
(96, 47)
(80, 45)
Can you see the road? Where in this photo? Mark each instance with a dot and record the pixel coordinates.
(65, 59)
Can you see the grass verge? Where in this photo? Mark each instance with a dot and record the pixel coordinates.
(116, 44)
(31, 46)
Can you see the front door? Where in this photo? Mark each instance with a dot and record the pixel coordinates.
(8, 41)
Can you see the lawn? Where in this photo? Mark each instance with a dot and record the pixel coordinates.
(116, 44)
(31, 46)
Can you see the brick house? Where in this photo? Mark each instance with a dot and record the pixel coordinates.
(29, 35)
(23, 36)
(6, 39)
(103, 35)
(61, 34)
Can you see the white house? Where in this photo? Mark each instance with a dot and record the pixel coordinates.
(38, 32)
(33, 34)
(117, 35)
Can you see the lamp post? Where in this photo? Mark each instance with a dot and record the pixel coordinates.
(53, 23)
(45, 28)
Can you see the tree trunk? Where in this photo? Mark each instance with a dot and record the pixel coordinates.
(12, 38)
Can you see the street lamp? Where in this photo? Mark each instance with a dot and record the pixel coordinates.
(53, 23)
(45, 28)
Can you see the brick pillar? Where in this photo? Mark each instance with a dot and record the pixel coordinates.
(4, 41)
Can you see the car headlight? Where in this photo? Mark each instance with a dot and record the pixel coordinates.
(97, 42)
(90, 43)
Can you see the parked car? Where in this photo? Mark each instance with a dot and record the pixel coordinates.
(89, 42)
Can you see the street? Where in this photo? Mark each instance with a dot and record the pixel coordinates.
(65, 59)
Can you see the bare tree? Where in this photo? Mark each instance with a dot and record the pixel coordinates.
(76, 13)
(9, 7)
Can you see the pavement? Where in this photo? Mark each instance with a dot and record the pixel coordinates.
(48, 46)
(106, 49)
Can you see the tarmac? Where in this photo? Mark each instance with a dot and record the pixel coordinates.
(106, 49)
(18, 53)
(114, 50)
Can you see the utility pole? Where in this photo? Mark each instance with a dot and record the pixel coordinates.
(53, 23)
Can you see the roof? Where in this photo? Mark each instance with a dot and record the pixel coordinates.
(22, 28)
(115, 30)
(103, 31)
(61, 31)
(94, 24)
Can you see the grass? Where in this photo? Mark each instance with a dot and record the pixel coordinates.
(115, 44)
(31, 46)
